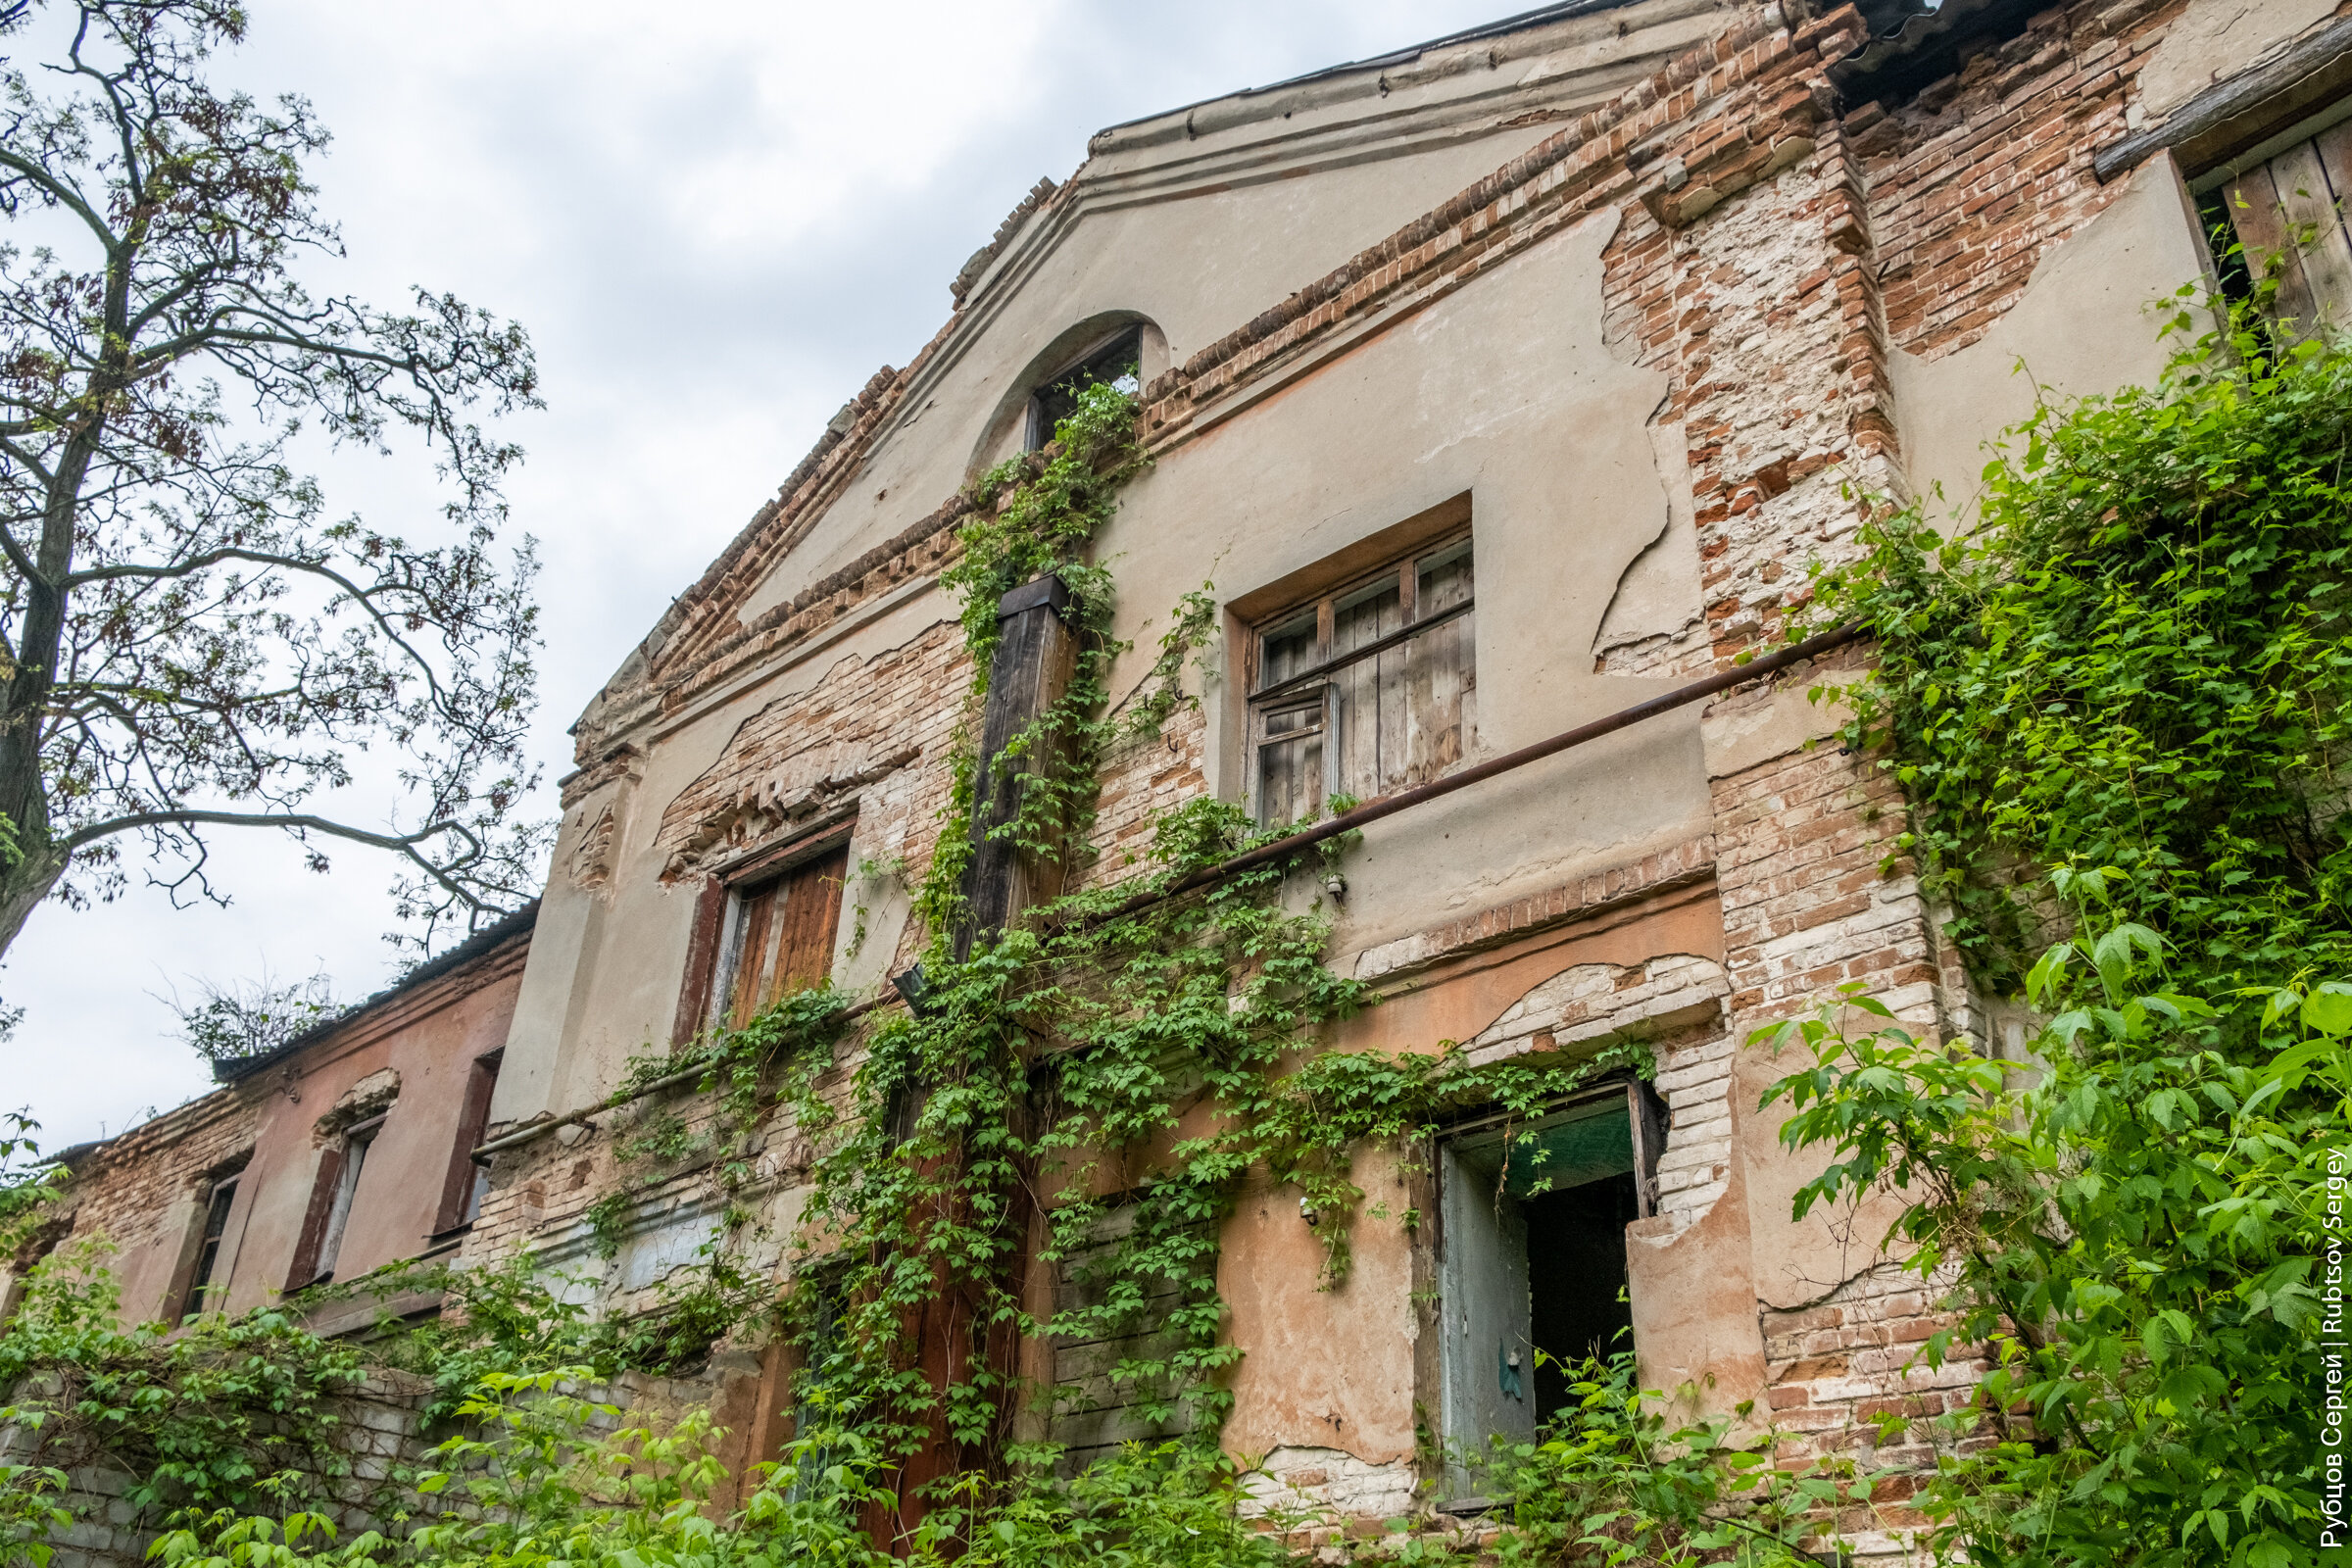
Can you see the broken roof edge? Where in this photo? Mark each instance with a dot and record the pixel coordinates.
(1520, 23)
(480, 945)
(1914, 44)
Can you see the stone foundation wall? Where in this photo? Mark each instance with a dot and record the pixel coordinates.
(380, 1436)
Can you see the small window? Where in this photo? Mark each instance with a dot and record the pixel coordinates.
(1117, 362)
(331, 1192)
(1532, 1265)
(2287, 205)
(779, 937)
(1367, 690)
(356, 1144)
(215, 1222)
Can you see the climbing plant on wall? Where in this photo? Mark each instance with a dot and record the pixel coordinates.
(1127, 1065)
(1093, 1084)
(2117, 706)
(2139, 659)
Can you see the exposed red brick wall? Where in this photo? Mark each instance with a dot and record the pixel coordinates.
(1975, 177)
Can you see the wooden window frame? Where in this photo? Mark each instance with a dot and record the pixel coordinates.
(462, 1188)
(359, 1141)
(1648, 1117)
(713, 952)
(2245, 191)
(202, 1271)
(1304, 690)
(1461, 1350)
(324, 1222)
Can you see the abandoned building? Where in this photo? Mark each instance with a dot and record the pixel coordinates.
(1496, 385)
(347, 1149)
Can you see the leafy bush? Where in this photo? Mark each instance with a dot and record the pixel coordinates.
(1607, 1481)
(2140, 659)
(234, 1413)
(2133, 674)
(2134, 1222)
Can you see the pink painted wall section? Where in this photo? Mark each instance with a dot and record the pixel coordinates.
(432, 1047)
(411, 1054)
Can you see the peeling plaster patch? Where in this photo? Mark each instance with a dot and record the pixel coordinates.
(877, 906)
(1748, 728)
(1835, 1362)
(2085, 325)
(1695, 1078)
(1655, 622)
(590, 863)
(1333, 1479)
(1677, 999)
(2216, 39)
(373, 1093)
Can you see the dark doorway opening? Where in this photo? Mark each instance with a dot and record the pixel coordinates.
(1576, 1280)
(1531, 1260)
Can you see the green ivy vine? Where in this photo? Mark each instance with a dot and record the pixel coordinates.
(2117, 704)
(2137, 659)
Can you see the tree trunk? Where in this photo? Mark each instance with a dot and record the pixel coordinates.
(25, 885)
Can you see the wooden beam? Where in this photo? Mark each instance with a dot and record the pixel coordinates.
(1035, 655)
(2232, 116)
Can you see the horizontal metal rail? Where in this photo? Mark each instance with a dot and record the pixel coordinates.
(1567, 740)
(533, 1132)
(1346, 822)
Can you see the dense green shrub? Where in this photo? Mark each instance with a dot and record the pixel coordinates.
(2132, 674)
(2137, 658)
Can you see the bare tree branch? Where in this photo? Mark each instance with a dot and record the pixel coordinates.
(191, 643)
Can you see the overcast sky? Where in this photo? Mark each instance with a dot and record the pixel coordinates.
(716, 220)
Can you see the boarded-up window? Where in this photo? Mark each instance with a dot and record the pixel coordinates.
(2289, 211)
(1367, 690)
(1120, 1373)
(779, 937)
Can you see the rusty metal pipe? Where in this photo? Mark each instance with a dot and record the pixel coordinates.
(1370, 811)
(532, 1131)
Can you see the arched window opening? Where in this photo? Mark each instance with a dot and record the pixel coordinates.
(1116, 361)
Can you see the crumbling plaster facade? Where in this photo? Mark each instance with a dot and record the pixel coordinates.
(406, 1057)
(1670, 305)
(1661, 298)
